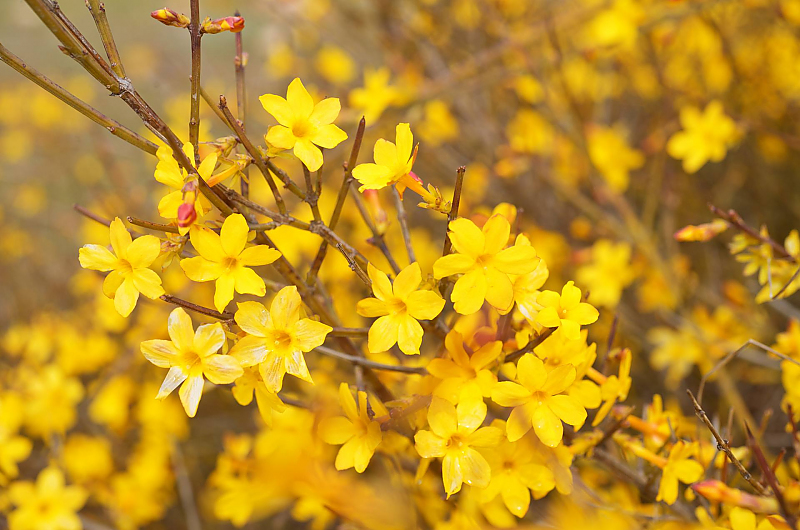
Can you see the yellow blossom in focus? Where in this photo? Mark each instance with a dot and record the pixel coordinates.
(276, 339)
(225, 259)
(357, 433)
(128, 265)
(464, 376)
(172, 175)
(251, 383)
(48, 503)
(453, 436)
(393, 163)
(190, 355)
(485, 263)
(399, 305)
(539, 401)
(303, 125)
(706, 136)
(565, 311)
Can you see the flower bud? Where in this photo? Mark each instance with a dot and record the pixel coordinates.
(186, 214)
(232, 24)
(171, 18)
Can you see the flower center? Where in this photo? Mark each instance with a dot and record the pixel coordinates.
(457, 441)
(124, 266)
(193, 364)
(281, 340)
(396, 306)
(230, 263)
(301, 128)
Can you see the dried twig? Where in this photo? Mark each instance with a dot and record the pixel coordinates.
(170, 299)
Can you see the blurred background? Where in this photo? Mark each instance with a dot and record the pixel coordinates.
(565, 109)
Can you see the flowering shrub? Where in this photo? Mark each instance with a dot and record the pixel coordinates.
(450, 365)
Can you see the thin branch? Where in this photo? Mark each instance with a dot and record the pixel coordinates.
(170, 299)
(361, 361)
(311, 196)
(451, 216)
(377, 238)
(402, 218)
(724, 445)
(349, 332)
(772, 480)
(735, 220)
(540, 338)
(241, 97)
(251, 149)
(91, 215)
(194, 114)
(112, 126)
(172, 229)
(184, 486)
(278, 219)
(98, 11)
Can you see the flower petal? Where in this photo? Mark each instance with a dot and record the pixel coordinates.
(499, 289)
(190, 393)
(518, 260)
(308, 153)
(233, 236)
(547, 426)
(409, 334)
(125, 298)
(328, 136)
(496, 232)
(325, 111)
(424, 305)
(161, 353)
(222, 369)
(258, 255)
(442, 418)
(208, 339)
(97, 258)
(147, 282)
(383, 334)
(253, 318)
(285, 307)
(336, 430)
(247, 281)
(299, 99)
(249, 351)
(466, 237)
(469, 292)
(174, 377)
(429, 445)
(207, 243)
(568, 409)
(452, 264)
(120, 238)
(372, 307)
(181, 332)
(278, 107)
(407, 281)
(510, 394)
(307, 334)
(223, 294)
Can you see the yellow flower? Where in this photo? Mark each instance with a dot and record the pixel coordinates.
(615, 388)
(481, 256)
(539, 401)
(454, 434)
(189, 356)
(169, 173)
(303, 125)
(610, 154)
(358, 433)
(276, 339)
(679, 467)
(515, 471)
(565, 311)
(464, 376)
(399, 306)
(251, 383)
(225, 259)
(705, 136)
(128, 264)
(393, 163)
(48, 503)
(608, 273)
(376, 94)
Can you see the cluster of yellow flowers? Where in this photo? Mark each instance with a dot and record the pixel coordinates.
(455, 366)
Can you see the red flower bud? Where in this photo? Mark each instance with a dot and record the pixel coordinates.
(186, 215)
(171, 18)
(232, 24)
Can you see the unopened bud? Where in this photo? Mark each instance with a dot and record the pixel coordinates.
(171, 18)
(717, 491)
(187, 214)
(232, 24)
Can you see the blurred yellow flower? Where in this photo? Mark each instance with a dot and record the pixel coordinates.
(335, 65)
(303, 125)
(706, 136)
(357, 433)
(454, 435)
(608, 273)
(565, 311)
(610, 154)
(376, 94)
(190, 355)
(480, 255)
(48, 503)
(276, 339)
(399, 306)
(681, 468)
(225, 259)
(128, 264)
(539, 401)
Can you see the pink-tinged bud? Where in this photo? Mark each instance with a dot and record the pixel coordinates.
(718, 491)
(232, 24)
(703, 232)
(171, 18)
(186, 215)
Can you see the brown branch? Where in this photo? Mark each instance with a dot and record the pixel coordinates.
(451, 216)
(377, 238)
(241, 97)
(98, 11)
(402, 218)
(769, 475)
(278, 219)
(349, 332)
(112, 126)
(736, 221)
(361, 361)
(194, 114)
(540, 338)
(172, 229)
(91, 215)
(724, 445)
(170, 299)
(311, 196)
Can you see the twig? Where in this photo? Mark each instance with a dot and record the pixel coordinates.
(349, 332)
(736, 221)
(251, 149)
(787, 284)
(311, 196)
(361, 361)
(377, 238)
(724, 445)
(772, 480)
(112, 126)
(185, 491)
(170, 299)
(402, 218)
(91, 215)
(241, 97)
(451, 216)
(540, 338)
(337, 210)
(194, 115)
(278, 219)
(172, 229)
(98, 11)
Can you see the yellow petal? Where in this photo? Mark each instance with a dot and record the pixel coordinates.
(190, 393)
(97, 258)
(452, 264)
(385, 154)
(207, 166)
(496, 232)
(328, 136)
(469, 292)
(200, 269)
(372, 176)
(407, 281)
(547, 426)
(148, 283)
(516, 260)
(207, 244)
(280, 137)
(249, 351)
(233, 236)
(424, 305)
(466, 237)
(208, 339)
(296, 366)
(381, 286)
(570, 295)
(405, 142)
(120, 238)
(510, 394)
(253, 318)
(325, 111)
(442, 418)
(336, 430)
(223, 292)
(475, 468)
(278, 107)
(248, 282)
(258, 255)
(559, 379)
(409, 334)
(429, 445)
(307, 334)
(372, 307)
(308, 153)
(499, 289)
(125, 298)
(583, 314)
(161, 353)
(222, 369)
(285, 307)
(299, 99)
(181, 332)
(567, 408)
(143, 251)
(382, 334)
